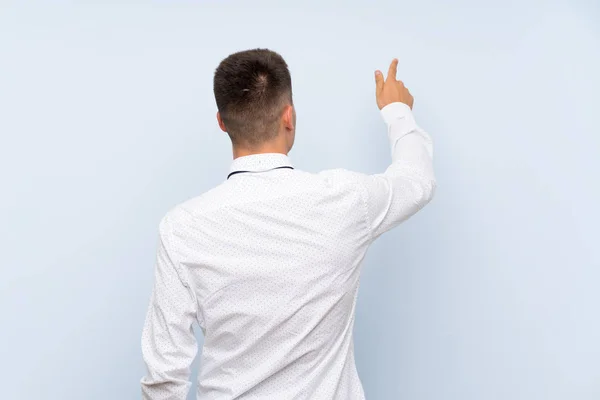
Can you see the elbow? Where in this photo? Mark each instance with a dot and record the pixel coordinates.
(432, 185)
(428, 188)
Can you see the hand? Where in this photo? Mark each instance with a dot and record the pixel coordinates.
(391, 90)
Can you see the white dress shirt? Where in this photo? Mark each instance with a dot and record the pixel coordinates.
(268, 264)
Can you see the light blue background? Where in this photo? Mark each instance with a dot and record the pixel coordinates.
(108, 120)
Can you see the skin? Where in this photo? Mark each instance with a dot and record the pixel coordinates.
(282, 143)
(389, 90)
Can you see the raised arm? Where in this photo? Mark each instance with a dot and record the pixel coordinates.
(408, 184)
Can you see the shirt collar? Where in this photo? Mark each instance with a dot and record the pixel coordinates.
(260, 162)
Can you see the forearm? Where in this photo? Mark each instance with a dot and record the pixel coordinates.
(411, 149)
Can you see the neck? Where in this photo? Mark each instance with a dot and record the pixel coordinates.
(239, 151)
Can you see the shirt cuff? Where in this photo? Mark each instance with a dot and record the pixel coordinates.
(395, 111)
(399, 118)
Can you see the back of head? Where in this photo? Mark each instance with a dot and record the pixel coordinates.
(252, 88)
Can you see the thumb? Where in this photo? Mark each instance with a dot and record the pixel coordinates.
(378, 82)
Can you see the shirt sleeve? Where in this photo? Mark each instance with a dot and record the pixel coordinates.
(168, 342)
(408, 184)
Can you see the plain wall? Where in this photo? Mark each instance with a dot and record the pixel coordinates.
(107, 120)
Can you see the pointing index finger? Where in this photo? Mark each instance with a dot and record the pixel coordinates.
(393, 69)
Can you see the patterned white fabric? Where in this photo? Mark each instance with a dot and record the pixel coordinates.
(268, 265)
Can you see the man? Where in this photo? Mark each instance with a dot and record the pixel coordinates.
(268, 262)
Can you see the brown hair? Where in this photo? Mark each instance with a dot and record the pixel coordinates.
(251, 89)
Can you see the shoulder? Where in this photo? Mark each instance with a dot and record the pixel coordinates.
(191, 209)
(342, 177)
(344, 182)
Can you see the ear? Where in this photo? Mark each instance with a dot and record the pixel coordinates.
(220, 121)
(288, 118)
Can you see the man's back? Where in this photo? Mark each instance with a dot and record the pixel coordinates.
(273, 259)
(268, 264)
